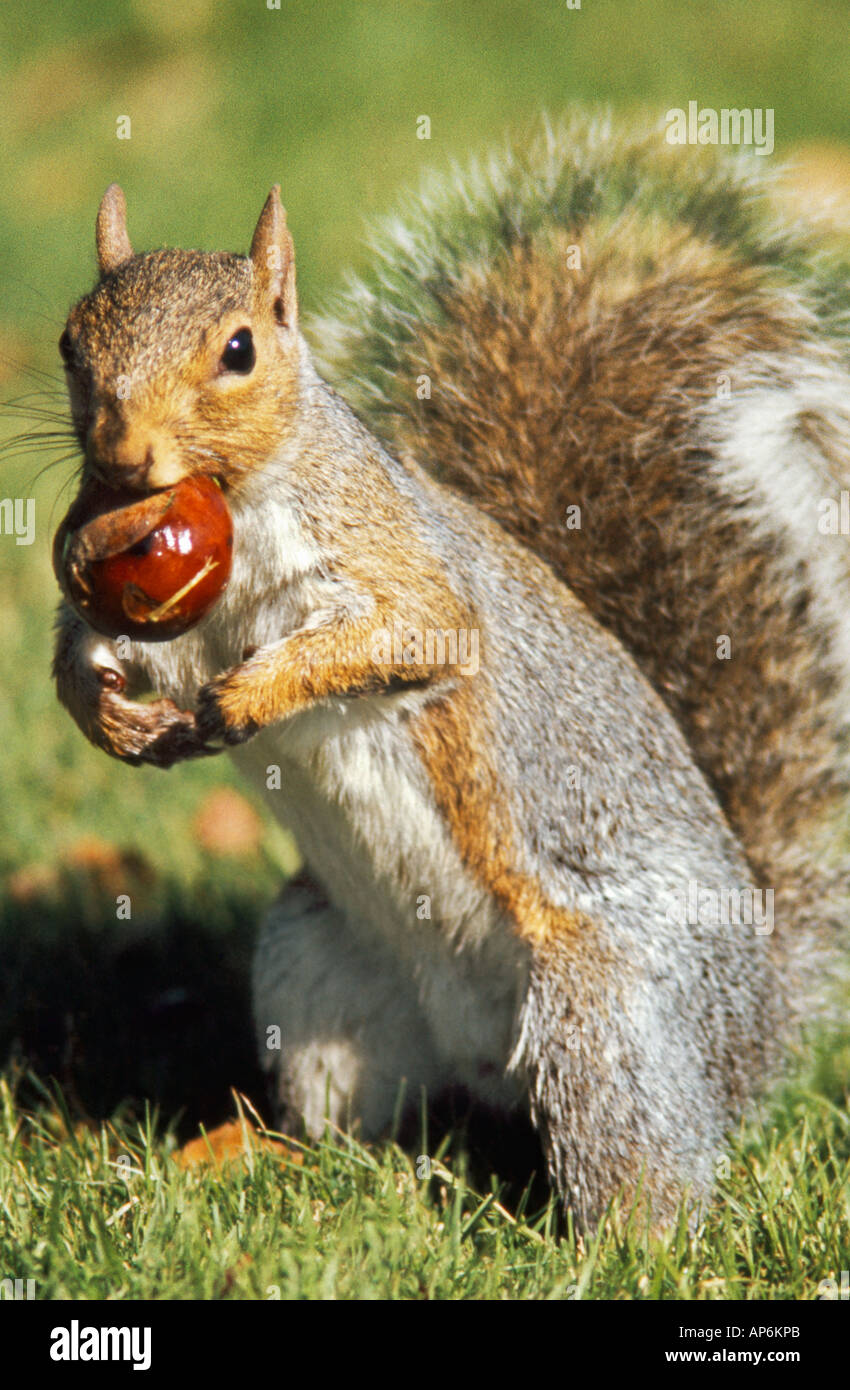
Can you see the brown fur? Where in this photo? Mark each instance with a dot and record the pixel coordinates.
(556, 389)
(453, 744)
(300, 670)
(174, 409)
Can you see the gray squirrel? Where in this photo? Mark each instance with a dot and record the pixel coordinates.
(548, 642)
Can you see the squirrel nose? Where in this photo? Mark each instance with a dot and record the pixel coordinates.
(117, 472)
(142, 460)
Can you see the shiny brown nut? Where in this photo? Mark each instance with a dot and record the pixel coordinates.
(145, 567)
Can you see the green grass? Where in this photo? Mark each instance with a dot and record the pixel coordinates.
(105, 1213)
(123, 1012)
(224, 100)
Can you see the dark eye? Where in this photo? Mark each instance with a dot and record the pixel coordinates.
(66, 350)
(239, 355)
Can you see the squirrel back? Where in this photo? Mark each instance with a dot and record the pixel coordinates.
(625, 362)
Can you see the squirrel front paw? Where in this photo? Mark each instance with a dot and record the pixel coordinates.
(91, 683)
(158, 734)
(223, 708)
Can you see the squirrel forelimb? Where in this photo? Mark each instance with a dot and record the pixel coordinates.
(340, 658)
(91, 683)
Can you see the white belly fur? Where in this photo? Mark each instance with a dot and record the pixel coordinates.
(352, 794)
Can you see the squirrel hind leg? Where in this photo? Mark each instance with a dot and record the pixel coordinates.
(626, 1101)
(341, 1037)
(339, 1031)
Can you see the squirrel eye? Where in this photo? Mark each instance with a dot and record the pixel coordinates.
(239, 354)
(66, 350)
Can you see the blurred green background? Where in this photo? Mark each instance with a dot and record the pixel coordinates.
(224, 98)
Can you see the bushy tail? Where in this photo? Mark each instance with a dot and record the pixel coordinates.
(608, 343)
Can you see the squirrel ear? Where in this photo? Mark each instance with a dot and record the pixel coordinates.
(113, 243)
(273, 257)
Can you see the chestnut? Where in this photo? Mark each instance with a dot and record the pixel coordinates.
(147, 567)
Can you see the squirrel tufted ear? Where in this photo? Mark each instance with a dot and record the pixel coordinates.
(273, 257)
(113, 243)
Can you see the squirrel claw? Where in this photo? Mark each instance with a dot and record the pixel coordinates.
(175, 745)
(157, 734)
(212, 721)
(208, 715)
(221, 711)
(241, 735)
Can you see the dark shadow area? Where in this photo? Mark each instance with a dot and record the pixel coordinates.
(159, 1011)
(121, 1013)
(483, 1142)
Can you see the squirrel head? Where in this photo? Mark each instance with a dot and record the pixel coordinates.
(183, 362)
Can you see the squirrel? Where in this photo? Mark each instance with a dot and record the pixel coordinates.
(542, 654)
